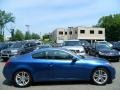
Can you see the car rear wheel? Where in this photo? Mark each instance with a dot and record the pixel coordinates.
(100, 76)
(22, 79)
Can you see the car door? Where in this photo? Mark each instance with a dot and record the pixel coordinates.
(57, 65)
(41, 66)
(63, 67)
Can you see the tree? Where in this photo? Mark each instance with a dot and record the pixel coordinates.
(18, 36)
(111, 24)
(4, 19)
(47, 38)
(35, 36)
(28, 35)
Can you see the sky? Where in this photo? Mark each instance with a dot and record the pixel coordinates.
(43, 16)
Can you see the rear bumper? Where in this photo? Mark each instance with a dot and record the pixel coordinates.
(7, 73)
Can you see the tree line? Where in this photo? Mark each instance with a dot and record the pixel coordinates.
(111, 24)
(19, 36)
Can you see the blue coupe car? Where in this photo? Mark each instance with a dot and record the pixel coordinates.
(55, 64)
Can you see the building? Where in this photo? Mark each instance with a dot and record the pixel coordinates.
(81, 33)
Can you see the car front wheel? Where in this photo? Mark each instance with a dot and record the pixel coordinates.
(22, 79)
(100, 76)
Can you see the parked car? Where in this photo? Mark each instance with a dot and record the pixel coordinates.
(43, 46)
(116, 46)
(71, 43)
(104, 51)
(86, 45)
(104, 42)
(75, 46)
(17, 49)
(29, 47)
(56, 64)
(4, 45)
(79, 50)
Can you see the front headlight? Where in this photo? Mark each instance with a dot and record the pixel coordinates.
(119, 53)
(14, 51)
(101, 53)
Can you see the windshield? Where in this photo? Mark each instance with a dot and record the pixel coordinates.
(85, 43)
(3, 45)
(73, 53)
(17, 45)
(103, 47)
(72, 43)
(44, 46)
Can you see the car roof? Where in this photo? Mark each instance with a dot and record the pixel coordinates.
(50, 48)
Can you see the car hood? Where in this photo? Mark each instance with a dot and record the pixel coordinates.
(94, 60)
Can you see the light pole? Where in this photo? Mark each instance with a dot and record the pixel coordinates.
(28, 27)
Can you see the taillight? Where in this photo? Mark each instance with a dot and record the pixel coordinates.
(7, 63)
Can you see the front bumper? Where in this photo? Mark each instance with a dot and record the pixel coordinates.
(112, 73)
(7, 55)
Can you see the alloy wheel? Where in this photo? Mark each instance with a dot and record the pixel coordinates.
(22, 78)
(100, 76)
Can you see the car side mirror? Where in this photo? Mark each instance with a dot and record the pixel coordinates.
(74, 59)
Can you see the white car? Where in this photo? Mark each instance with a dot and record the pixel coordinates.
(79, 50)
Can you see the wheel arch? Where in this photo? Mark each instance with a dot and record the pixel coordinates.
(22, 69)
(109, 73)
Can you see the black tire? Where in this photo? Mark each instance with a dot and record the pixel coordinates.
(118, 59)
(99, 82)
(28, 81)
(88, 52)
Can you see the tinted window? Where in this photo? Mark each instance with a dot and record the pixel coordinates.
(103, 47)
(91, 31)
(65, 33)
(30, 44)
(60, 33)
(100, 32)
(72, 43)
(53, 54)
(17, 45)
(39, 55)
(56, 54)
(70, 32)
(82, 31)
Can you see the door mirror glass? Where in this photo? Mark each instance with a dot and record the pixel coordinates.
(74, 59)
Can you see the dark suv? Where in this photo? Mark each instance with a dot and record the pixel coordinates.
(18, 48)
